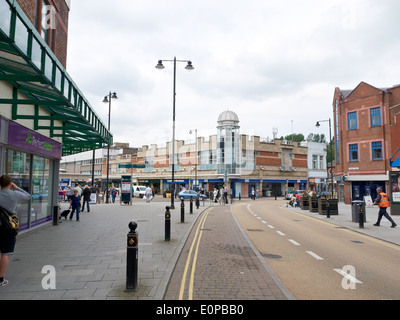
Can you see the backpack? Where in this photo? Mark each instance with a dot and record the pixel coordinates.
(9, 221)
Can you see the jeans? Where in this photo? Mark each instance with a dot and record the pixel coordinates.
(77, 208)
(83, 205)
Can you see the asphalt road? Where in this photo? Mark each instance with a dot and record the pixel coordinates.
(319, 260)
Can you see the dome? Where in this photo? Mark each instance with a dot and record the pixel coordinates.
(228, 115)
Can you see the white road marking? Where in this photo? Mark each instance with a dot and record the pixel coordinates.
(263, 221)
(280, 233)
(294, 242)
(259, 218)
(347, 276)
(272, 227)
(314, 255)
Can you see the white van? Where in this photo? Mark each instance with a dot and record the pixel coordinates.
(139, 191)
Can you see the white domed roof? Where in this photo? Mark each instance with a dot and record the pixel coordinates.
(228, 115)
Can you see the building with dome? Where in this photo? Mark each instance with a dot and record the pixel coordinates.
(228, 157)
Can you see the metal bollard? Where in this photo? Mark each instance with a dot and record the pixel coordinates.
(167, 224)
(360, 216)
(182, 210)
(132, 258)
(191, 205)
(197, 202)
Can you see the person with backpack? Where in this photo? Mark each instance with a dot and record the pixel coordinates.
(10, 195)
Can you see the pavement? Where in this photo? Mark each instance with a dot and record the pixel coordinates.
(89, 256)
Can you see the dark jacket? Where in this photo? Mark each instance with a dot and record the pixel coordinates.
(86, 194)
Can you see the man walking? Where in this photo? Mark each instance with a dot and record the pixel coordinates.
(382, 200)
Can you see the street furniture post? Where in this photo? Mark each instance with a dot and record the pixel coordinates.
(132, 258)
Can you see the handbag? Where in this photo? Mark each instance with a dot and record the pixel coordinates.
(9, 221)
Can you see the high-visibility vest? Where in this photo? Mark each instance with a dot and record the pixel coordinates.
(384, 202)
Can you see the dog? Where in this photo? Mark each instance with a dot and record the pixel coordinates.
(64, 214)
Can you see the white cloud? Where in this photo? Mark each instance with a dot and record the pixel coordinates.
(270, 61)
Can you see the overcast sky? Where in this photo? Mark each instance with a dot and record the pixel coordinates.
(275, 63)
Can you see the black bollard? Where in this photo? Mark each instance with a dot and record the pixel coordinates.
(167, 224)
(191, 205)
(197, 202)
(360, 216)
(182, 210)
(132, 258)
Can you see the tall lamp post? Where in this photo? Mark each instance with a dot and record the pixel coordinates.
(331, 166)
(160, 66)
(107, 99)
(195, 165)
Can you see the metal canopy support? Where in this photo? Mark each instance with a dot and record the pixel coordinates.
(32, 69)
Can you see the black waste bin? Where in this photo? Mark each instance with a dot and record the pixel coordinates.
(355, 205)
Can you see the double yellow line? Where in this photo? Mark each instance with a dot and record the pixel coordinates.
(196, 242)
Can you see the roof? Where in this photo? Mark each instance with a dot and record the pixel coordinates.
(31, 68)
(228, 115)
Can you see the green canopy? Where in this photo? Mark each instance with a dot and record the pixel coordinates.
(31, 68)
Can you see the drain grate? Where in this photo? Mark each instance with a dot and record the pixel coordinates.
(255, 230)
(271, 256)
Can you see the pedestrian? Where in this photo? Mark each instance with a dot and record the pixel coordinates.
(75, 205)
(383, 201)
(253, 194)
(226, 194)
(86, 198)
(68, 193)
(10, 194)
(113, 194)
(148, 194)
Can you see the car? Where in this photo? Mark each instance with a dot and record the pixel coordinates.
(187, 194)
(139, 191)
(289, 195)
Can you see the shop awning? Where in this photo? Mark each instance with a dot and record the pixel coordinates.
(395, 163)
(31, 68)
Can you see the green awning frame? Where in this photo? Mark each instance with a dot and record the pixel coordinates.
(31, 68)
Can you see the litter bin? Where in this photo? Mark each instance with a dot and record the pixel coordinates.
(355, 204)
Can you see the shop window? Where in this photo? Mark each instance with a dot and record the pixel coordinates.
(377, 150)
(352, 120)
(375, 117)
(18, 166)
(353, 152)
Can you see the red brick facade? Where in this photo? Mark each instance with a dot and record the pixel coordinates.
(365, 146)
(57, 38)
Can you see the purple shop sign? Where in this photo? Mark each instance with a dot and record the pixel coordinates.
(26, 139)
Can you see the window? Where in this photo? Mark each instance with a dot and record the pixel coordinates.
(377, 150)
(353, 152)
(375, 117)
(352, 120)
(315, 162)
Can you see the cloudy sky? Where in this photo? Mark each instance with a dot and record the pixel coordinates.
(275, 63)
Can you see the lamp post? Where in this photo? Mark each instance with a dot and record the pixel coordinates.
(160, 66)
(330, 140)
(195, 165)
(107, 99)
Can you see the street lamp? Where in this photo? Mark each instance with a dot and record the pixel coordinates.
(189, 67)
(195, 166)
(107, 99)
(330, 140)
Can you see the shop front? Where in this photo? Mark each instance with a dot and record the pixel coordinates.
(32, 161)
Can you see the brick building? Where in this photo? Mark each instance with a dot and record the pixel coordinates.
(366, 136)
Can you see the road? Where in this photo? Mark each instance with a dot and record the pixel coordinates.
(319, 260)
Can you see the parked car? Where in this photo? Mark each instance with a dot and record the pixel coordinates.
(187, 194)
(139, 191)
(289, 195)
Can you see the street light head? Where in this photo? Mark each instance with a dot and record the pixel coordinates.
(114, 96)
(317, 125)
(189, 66)
(159, 65)
(105, 99)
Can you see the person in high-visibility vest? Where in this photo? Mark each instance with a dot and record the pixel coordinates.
(382, 200)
